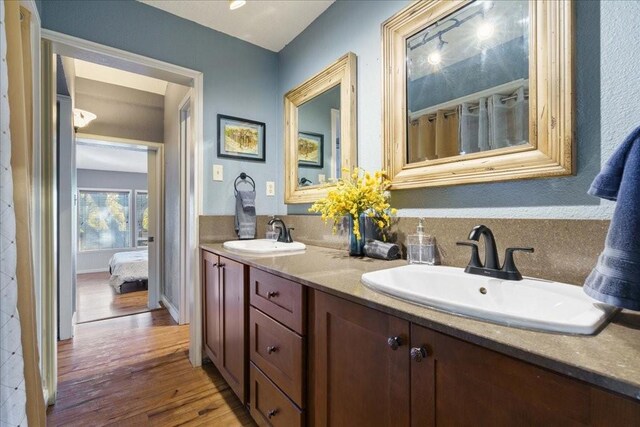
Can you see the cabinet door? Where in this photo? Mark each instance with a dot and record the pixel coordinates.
(212, 310)
(359, 365)
(234, 335)
(459, 383)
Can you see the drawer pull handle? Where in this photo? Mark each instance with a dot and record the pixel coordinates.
(272, 294)
(272, 413)
(272, 349)
(394, 342)
(418, 353)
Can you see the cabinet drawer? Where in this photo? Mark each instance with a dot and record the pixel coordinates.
(280, 298)
(269, 406)
(278, 352)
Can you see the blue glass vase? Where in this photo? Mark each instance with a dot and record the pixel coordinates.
(356, 246)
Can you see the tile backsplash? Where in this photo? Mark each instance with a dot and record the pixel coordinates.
(565, 250)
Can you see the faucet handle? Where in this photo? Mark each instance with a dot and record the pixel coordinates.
(475, 257)
(509, 264)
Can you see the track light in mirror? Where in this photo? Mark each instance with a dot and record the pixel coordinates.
(236, 4)
(82, 118)
(485, 31)
(434, 58)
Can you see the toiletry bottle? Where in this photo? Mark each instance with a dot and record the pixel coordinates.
(271, 233)
(420, 246)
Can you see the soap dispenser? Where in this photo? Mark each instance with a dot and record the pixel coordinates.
(421, 248)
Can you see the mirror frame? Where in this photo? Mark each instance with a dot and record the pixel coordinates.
(550, 152)
(342, 72)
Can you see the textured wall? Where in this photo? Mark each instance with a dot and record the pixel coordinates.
(172, 98)
(240, 79)
(121, 112)
(607, 90)
(95, 179)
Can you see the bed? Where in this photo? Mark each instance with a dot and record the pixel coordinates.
(129, 271)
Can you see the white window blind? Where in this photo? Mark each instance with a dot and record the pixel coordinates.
(103, 218)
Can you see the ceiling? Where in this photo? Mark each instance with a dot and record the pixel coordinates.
(104, 74)
(110, 158)
(266, 23)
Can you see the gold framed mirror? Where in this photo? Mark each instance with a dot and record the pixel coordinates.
(478, 91)
(320, 131)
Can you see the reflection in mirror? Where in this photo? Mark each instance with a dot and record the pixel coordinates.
(319, 139)
(468, 80)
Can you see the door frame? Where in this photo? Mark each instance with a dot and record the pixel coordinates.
(186, 209)
(57, 43)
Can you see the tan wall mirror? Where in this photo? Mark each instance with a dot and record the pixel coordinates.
(320, 131)
(478, 91)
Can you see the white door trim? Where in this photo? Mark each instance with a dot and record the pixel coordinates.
(78, 48)
(186, 209)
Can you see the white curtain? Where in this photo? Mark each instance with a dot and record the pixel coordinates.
(474, 127)
(12, 380)
(508, 120)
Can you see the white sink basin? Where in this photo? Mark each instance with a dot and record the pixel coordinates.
(529, 303)
(263, 246)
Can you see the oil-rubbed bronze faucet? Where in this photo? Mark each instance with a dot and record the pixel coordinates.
(491, 266)
(284, 233)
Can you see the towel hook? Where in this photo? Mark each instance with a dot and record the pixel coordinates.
(243, 177)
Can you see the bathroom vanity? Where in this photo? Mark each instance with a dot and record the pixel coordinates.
(301, 341)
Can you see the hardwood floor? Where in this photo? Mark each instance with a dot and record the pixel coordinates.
(96, 299)
(135, 371)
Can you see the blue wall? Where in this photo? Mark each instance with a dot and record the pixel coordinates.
(239, 78)
(607, 94)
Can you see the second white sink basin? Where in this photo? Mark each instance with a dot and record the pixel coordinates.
(528, 303)
(263, 246)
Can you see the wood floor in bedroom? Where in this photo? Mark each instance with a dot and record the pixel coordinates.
(96, 299)
(134, 371)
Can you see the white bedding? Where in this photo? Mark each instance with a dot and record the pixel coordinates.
(128, 267)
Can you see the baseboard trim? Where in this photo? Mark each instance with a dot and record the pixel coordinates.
(95, 270)
(172, 309)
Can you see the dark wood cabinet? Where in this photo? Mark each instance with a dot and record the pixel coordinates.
(225, 319)
(457, 383)
(211, 307)
(359, 365)
(366, 367)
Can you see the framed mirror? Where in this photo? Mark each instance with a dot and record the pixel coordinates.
(478, 91)
(320, 131)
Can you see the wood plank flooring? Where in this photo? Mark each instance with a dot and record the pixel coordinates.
(98, 300)
(135, 371)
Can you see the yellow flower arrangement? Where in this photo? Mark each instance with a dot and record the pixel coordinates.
(359, 192)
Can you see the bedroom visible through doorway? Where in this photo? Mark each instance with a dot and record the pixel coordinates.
(113, 228)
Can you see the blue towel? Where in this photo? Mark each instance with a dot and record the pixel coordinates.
(245, 218)
(616, 278)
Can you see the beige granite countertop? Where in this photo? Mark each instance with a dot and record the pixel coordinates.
(610, 359)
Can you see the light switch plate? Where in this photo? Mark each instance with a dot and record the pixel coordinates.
(322, 178)
(217, 172)
(271, 188)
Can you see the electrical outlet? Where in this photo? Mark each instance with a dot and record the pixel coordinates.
(217, 172)
(271, 188)
(322, 178)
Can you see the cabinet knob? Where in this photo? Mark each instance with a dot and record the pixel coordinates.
(221, 265)
(394, 342)
(272, 413)
(272, 294)
(272, 349)
(418, 353)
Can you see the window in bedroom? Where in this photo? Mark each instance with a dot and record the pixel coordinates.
(142, 219)
(103, 219)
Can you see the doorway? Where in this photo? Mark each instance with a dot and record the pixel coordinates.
(119, 223)
(189, 187)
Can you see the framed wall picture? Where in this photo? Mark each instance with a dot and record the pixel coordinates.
(241, 138)
(310, 149)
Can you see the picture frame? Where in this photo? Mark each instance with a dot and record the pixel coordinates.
(310, 149)
(241, 139)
